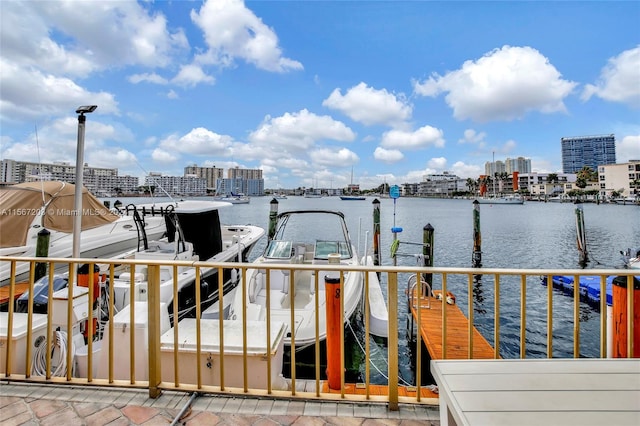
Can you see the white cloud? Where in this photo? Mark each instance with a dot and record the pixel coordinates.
(192, 75)
(388, 155)
(162, 156)
(424, 137)
(439, 163)
(47, 95)
(148, 78)
(619, 80)
(333, 157)
(628, 149)
(370, 106)
(473, 137)
(465, 171)
(503, 85)
(299, 131)
(232, 31)
(198, 141)
(116, 33)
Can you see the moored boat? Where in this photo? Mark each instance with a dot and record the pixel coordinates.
(504, 199)
(29, 208)
(303, 237)
(194, 233)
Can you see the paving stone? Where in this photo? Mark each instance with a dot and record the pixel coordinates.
(279, 407)
(44, 407)
(15, 409)
(264, 406)
(104, 416)
(66, 416)
(8, 400)
(295, 408)
(85, 409)
(309, 421)
(344, 421)
(202, 419)
(138, 414)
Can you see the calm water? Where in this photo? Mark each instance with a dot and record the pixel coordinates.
(533, 235)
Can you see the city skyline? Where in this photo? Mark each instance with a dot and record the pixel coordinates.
(313, 92)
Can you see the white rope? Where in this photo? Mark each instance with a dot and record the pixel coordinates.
(59, 346)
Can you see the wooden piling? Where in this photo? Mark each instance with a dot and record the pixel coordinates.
(427, 250)
(477, 236)
(376, 232)
(581, 237)
(273, 218)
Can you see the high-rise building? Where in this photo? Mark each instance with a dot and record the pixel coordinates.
(587, 151)
(100, 181)
(211, 174)
(520, 165)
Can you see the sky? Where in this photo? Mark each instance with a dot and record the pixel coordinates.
(317, 93)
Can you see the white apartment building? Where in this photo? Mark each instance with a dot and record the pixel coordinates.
(623, 178)
(99, 181)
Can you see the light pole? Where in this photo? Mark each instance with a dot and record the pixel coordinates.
(77, 218)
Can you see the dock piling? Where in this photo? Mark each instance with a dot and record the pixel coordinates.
(581, 238)
(273, 217)
(427, 250)
(477, 236)
(376, 232)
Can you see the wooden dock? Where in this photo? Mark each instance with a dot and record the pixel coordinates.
(306, 385)
(430, 328)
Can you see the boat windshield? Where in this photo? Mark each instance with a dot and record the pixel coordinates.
(325, 248)
(278, 249)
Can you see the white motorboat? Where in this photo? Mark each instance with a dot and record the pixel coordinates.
(504, 199)
(29, 208)
(311, 237)
(194, 233)
(234, 199)
(631, 258)
(378, 312)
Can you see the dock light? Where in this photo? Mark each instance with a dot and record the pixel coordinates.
(77, 218)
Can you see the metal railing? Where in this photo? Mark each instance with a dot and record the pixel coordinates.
(191, 369)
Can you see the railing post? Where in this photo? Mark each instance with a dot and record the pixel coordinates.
(153, 311)
(392, 278)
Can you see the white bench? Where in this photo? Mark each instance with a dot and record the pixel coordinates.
(538, 392)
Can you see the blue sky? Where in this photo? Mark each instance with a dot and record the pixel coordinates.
(309, 91)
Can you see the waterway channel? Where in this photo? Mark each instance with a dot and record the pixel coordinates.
(534, 235)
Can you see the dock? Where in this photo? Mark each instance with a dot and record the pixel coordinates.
(430, 329)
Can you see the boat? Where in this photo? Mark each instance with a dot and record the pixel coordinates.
(303, 237)
(503, 199)
(29, 208)
(352, 197)
(194, 233)
(631, 258)
(280, 196)
(378, 311)
(312, 195)
(234, 198)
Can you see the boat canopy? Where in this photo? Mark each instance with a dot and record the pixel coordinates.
(21, 204)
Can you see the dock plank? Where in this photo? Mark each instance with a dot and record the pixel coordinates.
(430, 329)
